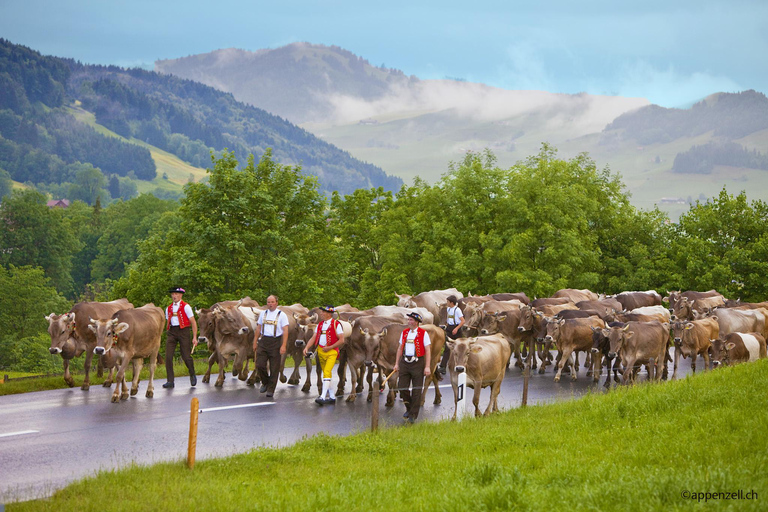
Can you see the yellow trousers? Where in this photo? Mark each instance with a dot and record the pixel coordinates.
(327, 359)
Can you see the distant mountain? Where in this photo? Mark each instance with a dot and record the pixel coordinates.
(413, 127)
(181, 117)
(299, 82)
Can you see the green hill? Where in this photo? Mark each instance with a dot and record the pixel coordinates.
(42, 141)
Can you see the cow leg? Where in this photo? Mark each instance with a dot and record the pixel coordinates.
(518, 357)
(438, 395)
(222, 365)
(576, 353)
(454, 385)
(391, 393)
(138, 364)
(705, 356)
(476, 395)
(211, 359)
(353, 377)
(239, 366)
(693, 362)
(152, 367)
(495, 390)
(360, 375)
(120, 381)
(67, 376)
(110, 376)
(341, 372)
(308, 381)
(283, 357)
(295, 376)
(87, 382)
(565, 356)
(677, 360)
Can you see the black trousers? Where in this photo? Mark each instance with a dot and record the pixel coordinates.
(446, 351)
(183, 338)
(412, 375)
(268, 350)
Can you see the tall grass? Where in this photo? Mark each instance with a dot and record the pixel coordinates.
(636, 448)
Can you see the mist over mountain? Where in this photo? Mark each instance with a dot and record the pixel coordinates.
(412, 127)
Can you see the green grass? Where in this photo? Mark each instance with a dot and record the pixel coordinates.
(635, 448)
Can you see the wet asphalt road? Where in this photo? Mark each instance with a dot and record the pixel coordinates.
(72, 433)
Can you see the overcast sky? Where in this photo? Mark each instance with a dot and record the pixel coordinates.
(670, 52)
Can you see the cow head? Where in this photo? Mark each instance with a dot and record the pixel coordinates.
(684, 309)
(206, 324)
(372, 344)
(230, 323)
(61, 328)
(721, 352)
(600, 340)
(405, 300)
(491, 323)
(529, 319)
(473, 314)
(460, 352)
(617, 338)
(107, 333)
(305, 327)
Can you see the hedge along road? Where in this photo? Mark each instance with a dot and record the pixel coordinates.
(51, 438)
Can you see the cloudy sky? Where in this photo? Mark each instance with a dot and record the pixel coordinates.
(670, 52)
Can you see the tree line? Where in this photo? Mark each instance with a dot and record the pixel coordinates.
(544, 224)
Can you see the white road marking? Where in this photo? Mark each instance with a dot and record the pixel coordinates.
(241, 406)
(20, 433)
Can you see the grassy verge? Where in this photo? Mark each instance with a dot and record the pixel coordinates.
(13, 387)
(636, 448)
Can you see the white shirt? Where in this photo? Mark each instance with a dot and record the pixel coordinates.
(272, 324)
(410, 346)
(322, 339)
(175, 309)
(455, 315)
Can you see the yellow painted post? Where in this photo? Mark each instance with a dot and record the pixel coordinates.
(194, 409)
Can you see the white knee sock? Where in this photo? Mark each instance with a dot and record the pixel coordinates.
(326, 388)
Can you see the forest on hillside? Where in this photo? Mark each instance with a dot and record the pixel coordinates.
(261, 227)
(42, 143)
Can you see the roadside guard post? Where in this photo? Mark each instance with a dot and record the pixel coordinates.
(194, 409)
(461, 391)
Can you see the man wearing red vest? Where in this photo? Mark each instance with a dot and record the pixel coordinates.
(413, 362)
(329, 335)
(179, 317)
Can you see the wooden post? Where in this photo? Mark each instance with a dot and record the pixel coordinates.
(194, 409)
(375, 408)
(527, 373)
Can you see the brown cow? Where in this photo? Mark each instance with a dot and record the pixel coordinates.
(549, 301)
(640, 343)
(694, 338)
(206, 325)
(738, 347)
(575, 295)
(233, 334)
(673, 297)
(634, 300)
(389, 342)
(686, 309)
(484, 360)
(363, 350)
(552, 310)
(741, 320)
(70, 336)
(430, 300)
(571, 336)
(135, 335)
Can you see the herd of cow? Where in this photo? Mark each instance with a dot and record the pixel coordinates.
(622, 333)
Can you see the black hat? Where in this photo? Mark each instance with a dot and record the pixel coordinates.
(177, 289)
(415, 316)
(328, 309)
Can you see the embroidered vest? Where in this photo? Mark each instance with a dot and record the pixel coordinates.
(332, 337)
(419, 341)
(183, 319)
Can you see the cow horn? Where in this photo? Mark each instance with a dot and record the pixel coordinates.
(91, 320)
(625, 328)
